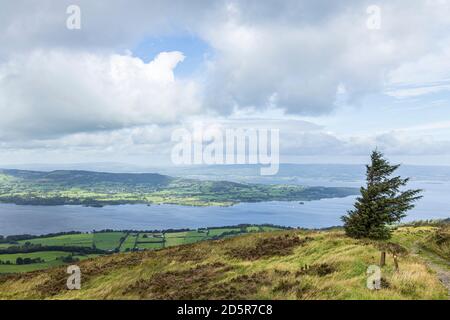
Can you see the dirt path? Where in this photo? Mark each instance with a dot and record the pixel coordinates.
(437, 264)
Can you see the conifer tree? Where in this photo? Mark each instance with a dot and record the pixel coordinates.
(382, 202)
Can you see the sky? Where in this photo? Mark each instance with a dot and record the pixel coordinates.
(336, 78)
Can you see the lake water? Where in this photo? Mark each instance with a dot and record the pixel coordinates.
(313, 214)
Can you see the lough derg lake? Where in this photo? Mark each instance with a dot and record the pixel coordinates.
(37, 220)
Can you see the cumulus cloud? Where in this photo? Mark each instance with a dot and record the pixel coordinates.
(50, 93)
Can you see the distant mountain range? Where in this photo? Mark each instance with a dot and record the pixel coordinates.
(305, 174)
(251, 173)
(80, 177)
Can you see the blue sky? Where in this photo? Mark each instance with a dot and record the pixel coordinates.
(118, 87)
(195, 50)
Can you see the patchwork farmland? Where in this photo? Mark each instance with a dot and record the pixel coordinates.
(27, 253)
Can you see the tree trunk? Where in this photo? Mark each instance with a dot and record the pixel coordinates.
(395, 262)
(383, 258)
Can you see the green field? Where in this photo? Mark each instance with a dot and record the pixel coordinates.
(149, 245)
(76, 240)
(108, 240)
(179, 241)
(50, 259)
(129, 242)
(175, 241)
(219, 232)
(254, 229)
(5, 245)
(47, 256)
(150, 237)
(268, 228)
(183, 234)
(29, 267)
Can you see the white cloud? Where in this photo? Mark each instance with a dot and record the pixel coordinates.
(330, 145)
(50, 93)
(428, 74)
(303, 53)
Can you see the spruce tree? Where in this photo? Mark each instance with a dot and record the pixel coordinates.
(382, 201)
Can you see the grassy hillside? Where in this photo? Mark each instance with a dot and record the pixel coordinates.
(439, 243)
(288, 264)
(100, 188)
